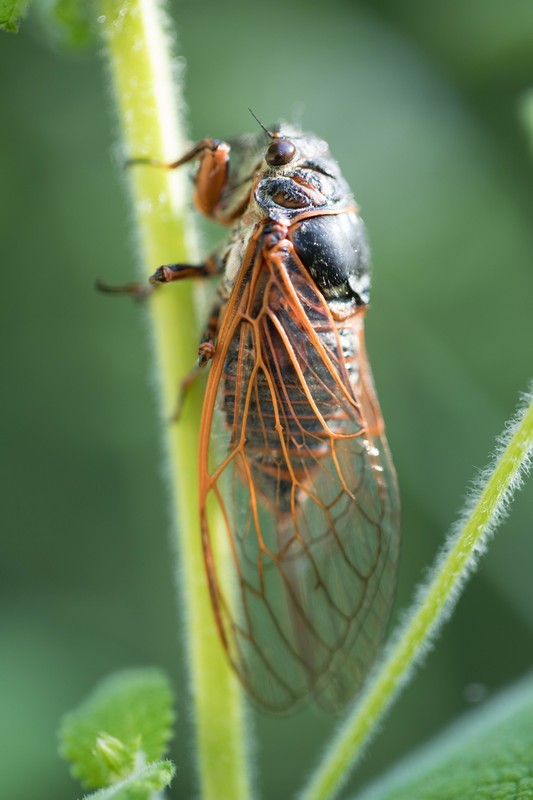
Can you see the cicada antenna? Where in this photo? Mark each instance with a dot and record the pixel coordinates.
(261, 124)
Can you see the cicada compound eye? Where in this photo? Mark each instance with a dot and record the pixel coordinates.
(280, 152)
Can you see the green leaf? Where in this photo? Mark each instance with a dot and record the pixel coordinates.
(125, 722)
(68, 23)
(140, 785)
(485, 755)
(10, 13)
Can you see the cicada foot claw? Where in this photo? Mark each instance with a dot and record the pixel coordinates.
(138, 291)
(161, 275)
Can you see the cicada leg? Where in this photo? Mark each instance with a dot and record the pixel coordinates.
(135, 289)
(177, 272)
(164, 274)
(196, 150)
(168, 273)
(209, 182)
(212, 172)
(206, 351)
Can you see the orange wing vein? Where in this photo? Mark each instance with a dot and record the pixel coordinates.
(294, 459)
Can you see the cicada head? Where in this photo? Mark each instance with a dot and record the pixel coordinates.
(282, 171)
(298, 173)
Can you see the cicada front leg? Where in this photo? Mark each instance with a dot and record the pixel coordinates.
(212, 171)
(210, 180)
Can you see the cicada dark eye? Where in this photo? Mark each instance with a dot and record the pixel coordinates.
(280, 152)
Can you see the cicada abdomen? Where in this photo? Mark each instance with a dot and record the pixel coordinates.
(293, 458)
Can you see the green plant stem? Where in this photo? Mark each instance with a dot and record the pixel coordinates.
(432, 606)
(138, 49)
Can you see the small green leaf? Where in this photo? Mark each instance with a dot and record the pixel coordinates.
(68, 23)
(125, 722)
(140, 785)
(485, 755)
(10, 13)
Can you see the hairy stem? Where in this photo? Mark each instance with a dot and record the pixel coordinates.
(138, 48)
(433, 605)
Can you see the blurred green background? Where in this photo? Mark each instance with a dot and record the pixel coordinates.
(420, 104)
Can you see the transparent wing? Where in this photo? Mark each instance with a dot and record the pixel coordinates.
(298, 470)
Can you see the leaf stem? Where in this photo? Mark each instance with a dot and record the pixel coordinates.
(433, 604)
(138, 47)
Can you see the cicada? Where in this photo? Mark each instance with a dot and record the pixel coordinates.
(293, 457)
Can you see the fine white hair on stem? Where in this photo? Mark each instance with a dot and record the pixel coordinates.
(495, 508)
(486, 506)
(139, 50)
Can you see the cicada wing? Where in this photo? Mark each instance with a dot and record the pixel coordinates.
(299, 473)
